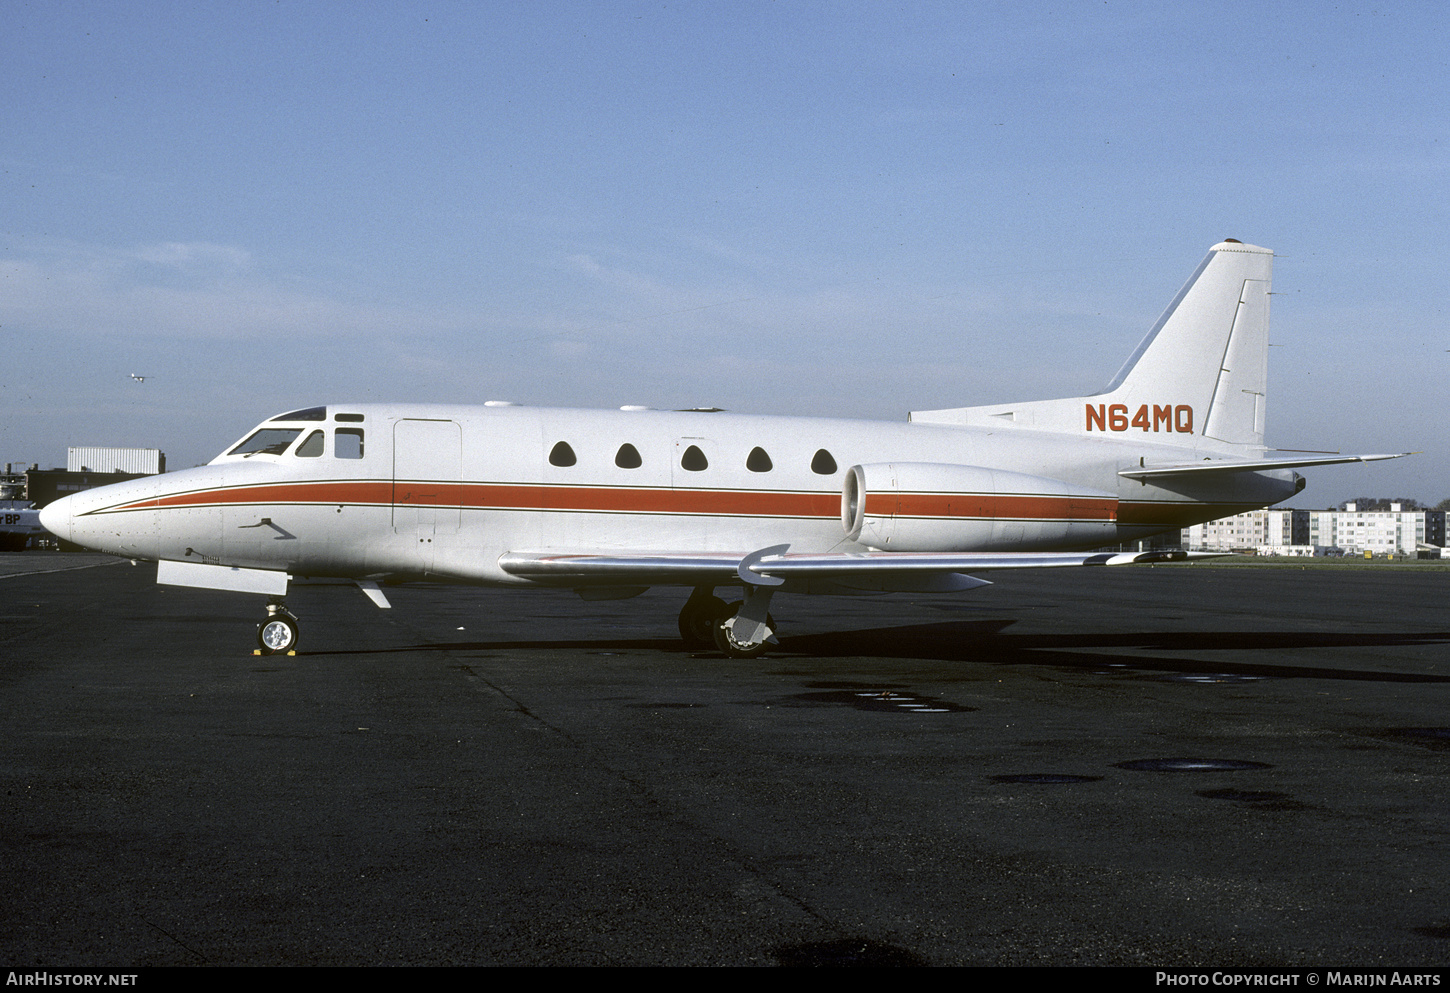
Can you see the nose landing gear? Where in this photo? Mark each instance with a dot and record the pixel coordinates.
(277, 633)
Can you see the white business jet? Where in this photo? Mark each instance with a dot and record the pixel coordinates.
(610, 503)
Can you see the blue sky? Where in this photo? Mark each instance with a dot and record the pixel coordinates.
(850, 209)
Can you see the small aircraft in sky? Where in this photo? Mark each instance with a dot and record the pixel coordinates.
(610, 503)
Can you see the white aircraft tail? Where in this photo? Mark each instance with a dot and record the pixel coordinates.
(1201, 371)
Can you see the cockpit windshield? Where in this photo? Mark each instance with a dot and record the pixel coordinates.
(309, 414)
(275, 438)
(267, 441)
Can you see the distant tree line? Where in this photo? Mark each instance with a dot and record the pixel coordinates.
(1383, 503)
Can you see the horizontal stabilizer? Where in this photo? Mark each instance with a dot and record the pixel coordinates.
(1166, 470)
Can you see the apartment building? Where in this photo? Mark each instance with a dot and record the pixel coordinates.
(1350, 531)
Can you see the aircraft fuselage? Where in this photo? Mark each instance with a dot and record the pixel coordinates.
(415, 491)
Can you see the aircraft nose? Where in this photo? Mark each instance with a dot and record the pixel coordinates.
(81, 520)
(56, 517)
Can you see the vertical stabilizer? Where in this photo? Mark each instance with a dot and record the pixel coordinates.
(1202, 370)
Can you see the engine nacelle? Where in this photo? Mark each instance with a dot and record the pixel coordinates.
(934, 507)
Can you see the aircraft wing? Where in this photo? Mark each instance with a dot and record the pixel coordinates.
(1162, 470)
(816, 571)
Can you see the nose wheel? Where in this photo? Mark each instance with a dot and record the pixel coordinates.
(277, 633)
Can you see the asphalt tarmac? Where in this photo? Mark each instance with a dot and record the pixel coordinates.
(1166, 767)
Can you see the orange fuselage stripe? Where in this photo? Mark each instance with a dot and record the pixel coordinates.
(509, 496)
(740, 503)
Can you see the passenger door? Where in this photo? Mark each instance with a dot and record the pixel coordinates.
(427, 472)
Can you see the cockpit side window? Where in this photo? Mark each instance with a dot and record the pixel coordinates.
(312, 447)
(267, 441)
(347, 443)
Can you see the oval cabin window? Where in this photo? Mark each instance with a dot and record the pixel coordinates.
(758, 461)
(823, 464)
(562, 455)
(628, 457)
(694, 460)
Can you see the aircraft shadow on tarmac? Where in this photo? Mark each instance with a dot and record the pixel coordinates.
(984, 642)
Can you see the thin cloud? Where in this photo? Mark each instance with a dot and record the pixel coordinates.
(188, 290)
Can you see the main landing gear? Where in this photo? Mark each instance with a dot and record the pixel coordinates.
(698, 618)
(741, 630)
(277, 633)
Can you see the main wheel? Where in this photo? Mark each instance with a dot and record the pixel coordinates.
(726, 641)
(697, 621)
(277, 635)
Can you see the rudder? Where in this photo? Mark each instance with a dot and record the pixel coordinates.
(1202, 369)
